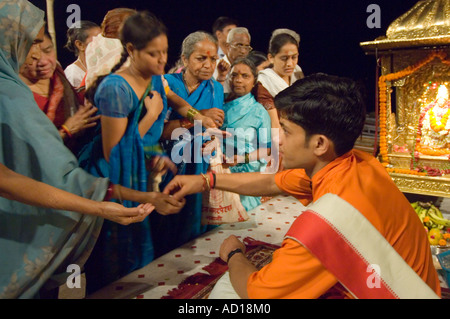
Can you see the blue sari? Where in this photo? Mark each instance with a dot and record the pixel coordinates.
(121, 249)
(172, 231)
(36, 244)
(245, 114)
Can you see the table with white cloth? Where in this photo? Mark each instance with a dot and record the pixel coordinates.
(267, 223)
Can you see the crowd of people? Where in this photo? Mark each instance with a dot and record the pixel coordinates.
(89, 175)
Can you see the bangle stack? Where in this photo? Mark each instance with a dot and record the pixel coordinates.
(206, 183)
(191, 114)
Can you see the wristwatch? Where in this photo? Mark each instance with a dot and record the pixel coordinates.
(232, 253)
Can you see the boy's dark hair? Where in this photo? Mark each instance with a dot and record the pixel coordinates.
(325, 104)
(221, 23)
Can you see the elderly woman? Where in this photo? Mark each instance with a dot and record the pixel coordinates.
(57, 98)
(40, 243)
(78, 38)
(251, 124)
(195, 85)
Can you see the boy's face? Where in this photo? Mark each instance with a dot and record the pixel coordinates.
(295, 151)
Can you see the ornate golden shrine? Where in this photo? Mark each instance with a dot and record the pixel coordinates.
(414, 134)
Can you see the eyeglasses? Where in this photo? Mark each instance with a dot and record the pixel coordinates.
(241, 47)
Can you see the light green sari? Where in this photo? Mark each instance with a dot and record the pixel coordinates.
(36, 244)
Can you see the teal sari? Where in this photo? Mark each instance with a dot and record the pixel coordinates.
(36, 244)
(251, 124)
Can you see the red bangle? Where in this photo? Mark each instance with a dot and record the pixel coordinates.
(212, 180)
(109, 192)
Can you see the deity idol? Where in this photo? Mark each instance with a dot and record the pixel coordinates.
(435, 124)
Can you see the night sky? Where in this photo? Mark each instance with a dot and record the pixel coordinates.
(330, 31)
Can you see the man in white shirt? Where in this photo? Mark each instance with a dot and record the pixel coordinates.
(238, 46)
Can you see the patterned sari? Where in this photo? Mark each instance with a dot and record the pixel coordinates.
(36, 244)
(62, 103)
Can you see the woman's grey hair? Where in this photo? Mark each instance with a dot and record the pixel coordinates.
(188, 45)
(239, 30)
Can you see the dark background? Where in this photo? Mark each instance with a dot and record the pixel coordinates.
(331, 31)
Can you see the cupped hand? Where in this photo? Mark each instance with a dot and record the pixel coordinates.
(123, 215)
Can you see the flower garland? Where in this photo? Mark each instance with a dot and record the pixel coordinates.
(405, 171)
(443, 122)
(382, 100)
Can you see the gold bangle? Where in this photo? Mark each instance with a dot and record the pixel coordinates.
(206, 178)
(191, 113)
(65, 129)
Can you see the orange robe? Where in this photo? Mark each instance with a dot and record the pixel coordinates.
(362, 181)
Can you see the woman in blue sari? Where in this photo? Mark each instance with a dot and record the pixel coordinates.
(197, 87)
(249, 147)
(37, 244)
(132, 103)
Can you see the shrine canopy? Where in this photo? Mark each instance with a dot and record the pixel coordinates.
(427, 24)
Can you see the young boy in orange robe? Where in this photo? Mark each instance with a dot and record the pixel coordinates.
(358, 220)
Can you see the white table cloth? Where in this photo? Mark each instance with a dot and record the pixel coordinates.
(268, 222)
